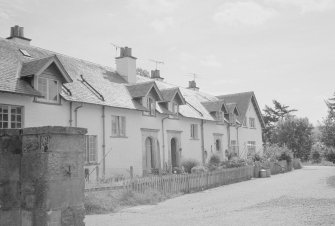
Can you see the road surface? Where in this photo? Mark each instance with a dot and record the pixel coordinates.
(301, 197)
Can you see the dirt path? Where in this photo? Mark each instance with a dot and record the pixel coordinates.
(302, 197)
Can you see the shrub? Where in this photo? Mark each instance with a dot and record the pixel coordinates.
(177, 170)
(214, 160)
(315, 156)
(233, 163)
(297, 164)
(330, 154)
(272, 152)
(199, 169)
(286, 154)
(236, 162)
(257, 157)
(188, 164)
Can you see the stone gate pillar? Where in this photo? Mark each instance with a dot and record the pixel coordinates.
(50, 185)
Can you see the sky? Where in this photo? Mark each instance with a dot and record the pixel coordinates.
(280, 49)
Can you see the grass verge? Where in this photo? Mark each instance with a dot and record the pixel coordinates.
(100, 202)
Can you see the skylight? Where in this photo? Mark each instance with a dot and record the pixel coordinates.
(25, 53)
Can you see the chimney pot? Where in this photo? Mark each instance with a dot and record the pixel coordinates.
(126, 65)
(193, 85)
(155, 74)
(17, 35)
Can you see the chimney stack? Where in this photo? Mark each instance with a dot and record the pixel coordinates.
(126, 65)
(193, 85)
(155, 74)
(17, 35)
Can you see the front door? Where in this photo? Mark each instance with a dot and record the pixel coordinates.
(174, 152)
(150, 158)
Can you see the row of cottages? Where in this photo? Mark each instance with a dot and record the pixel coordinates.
(131, 120)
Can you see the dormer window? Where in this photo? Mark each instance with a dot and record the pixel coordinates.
(151, 105)
(245, 122)
(47, 76)
(175, 108)
(219, 116)
(49, 88)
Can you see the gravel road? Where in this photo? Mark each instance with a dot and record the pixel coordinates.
(301, 197)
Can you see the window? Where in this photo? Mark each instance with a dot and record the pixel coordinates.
(219, 116)
(194, 131)
(234, 146)
(91, 148)
(218, 145)
(175, 108)
(49, 88)
(251, 147)
(25, 52)
(245, 122)
(151, 105)
(10, 117)
(252, 122)
(118, 126)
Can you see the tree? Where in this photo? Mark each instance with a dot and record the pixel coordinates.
(142, 72)
(327, 127)
(296, 134)
(271, 117)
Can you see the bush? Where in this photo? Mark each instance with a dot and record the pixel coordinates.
(272, 152)
(315, 156)
(233, 163)
(330, 154)
(188, 164)
(214, 160)
(297, 164)
(199, 169)
(286, 154)
(177, 170)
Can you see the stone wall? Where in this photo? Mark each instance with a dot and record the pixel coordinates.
(42, 176)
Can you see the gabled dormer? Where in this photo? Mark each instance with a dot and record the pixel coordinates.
(146, 94)
(233, 114)
(45, 75)
(172, 99)
(217, 109)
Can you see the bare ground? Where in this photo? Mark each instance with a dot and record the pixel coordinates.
(301, 197)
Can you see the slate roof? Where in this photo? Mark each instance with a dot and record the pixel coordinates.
(113, 87)
(242, 101)
(214, 105)
(34, 66)
(170, 93)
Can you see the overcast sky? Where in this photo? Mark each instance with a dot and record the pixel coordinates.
(280, 49)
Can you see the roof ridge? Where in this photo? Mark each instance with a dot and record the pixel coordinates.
(231, 94)
(56, 53)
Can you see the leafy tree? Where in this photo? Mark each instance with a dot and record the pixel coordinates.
(328, 125)
(296, 134)
(271, 117)
(142, 72)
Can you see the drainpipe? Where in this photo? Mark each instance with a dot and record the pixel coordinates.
(103, 143)
(70, 121)
(163, 140)
(76, 114)
(237, 140)
(202, 141)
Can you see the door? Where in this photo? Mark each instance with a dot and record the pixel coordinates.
(174, 152)
(150, 158)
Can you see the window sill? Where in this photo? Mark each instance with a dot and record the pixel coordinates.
(149, 115)
(194, 138)
(91, 164)
(118, 137)
(252, 127)
(47, 102)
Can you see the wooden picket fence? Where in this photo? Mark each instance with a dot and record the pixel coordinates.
(185, 183)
